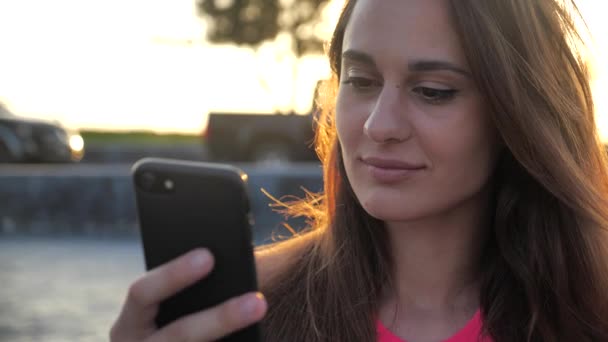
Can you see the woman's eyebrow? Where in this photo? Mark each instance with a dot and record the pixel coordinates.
(437, 65)
(359, 57)
(421, 65)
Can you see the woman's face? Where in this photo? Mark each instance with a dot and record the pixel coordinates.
(415, 135)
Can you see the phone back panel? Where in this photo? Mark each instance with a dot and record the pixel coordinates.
(206, 205)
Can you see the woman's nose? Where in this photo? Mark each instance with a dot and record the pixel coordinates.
(388, 121)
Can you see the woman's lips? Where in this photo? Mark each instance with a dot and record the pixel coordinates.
(386, 170)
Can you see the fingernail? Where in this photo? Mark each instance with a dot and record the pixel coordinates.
(250, 305)
(200, 258)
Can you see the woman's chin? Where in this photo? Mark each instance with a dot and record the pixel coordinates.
(388, 210)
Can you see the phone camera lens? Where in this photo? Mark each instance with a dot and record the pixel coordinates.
(147, 180)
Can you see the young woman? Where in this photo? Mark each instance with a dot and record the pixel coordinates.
(465, 190)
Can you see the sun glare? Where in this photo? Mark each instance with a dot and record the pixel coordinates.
(593, 13)
(143, 64)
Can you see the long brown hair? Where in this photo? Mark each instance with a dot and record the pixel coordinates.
(544, 274)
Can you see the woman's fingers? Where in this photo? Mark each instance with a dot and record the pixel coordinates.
(136, 321)
(141, 305)
(217, 322)
(166, 280)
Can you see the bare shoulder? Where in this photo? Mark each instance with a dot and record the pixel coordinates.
(272, 259)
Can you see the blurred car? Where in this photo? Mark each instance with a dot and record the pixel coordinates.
(270, 138)
(260, 138)
(25, 140)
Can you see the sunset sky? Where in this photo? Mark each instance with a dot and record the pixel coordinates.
(128, 64)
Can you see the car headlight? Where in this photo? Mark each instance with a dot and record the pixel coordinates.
(76, 143)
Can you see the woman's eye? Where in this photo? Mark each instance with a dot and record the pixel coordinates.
(434, 95)
(361, 83)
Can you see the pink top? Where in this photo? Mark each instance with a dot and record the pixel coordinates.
(469, 333)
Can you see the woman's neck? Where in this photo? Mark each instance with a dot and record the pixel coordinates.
(437, 260)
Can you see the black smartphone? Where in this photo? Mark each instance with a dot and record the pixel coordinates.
(182, 205)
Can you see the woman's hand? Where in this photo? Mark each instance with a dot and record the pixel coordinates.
(136, 320)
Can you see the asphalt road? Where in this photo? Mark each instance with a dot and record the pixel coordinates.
(64, 289)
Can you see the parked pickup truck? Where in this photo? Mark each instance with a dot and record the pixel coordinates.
(261, 138)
